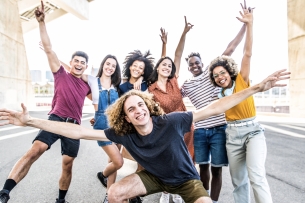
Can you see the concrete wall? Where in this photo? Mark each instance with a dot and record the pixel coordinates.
(296, 53)
(15, 81)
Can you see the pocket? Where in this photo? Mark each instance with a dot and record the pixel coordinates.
(100, 122)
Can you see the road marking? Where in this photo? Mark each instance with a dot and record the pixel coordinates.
(293, 127)
(18, 134)
(24, 132)
(9, 128)
(285, 132)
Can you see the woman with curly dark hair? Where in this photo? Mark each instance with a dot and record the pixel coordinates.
(245, 142)
(137, 67)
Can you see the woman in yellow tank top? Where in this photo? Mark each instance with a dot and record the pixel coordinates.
(245, 142)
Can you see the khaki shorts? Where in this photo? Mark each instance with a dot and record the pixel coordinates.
(190, 191)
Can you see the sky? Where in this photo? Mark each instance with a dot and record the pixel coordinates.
(120, 26)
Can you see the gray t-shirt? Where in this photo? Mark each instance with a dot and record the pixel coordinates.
(163, 152)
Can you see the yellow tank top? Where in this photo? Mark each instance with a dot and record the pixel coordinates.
(246, 108)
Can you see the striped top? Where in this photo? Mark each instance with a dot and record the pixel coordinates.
(201, 92)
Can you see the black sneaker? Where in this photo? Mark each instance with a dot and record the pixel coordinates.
(135, 200)
(61, 201)
(106, 199)
(4, 196)
(102, 178)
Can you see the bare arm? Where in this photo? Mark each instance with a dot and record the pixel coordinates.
(164, 41)
(52, 58)
(235, 42)
(247, 18)
(180, 47)
(66, 129)
(225, 103)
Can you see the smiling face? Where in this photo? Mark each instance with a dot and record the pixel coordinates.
(165, 68)
(195, 65)
(222, 77)
(109, 67)
(136, 111)
(137, 69)
(78, 65)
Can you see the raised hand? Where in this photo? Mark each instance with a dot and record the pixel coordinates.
(163, 35)
(247, 14)
(271, 80)
(39, 13)
(14, 117)
(187, 25)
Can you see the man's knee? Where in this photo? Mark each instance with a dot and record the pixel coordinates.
(67, 163)
(114, 193)
(37, 149)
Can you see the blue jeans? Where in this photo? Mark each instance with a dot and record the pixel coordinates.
(211, 142)
(247, 150)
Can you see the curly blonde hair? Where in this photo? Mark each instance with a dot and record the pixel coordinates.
(116, 114)
(228, 63)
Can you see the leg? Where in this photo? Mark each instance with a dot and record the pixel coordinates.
(23, 165)
(219, 159)
(116, 162)
(256, 157)
(128, 187)
(205, 175)
(202, 155)
(216, 182)
(237, 158)
(66, 174)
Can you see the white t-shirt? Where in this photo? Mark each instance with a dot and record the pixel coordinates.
(92, 82)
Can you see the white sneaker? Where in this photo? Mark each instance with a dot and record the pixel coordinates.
(177, 198)
(164, 198)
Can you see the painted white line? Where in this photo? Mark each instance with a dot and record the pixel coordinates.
(285, 132)
(293, 127)
(9, 128)
(18, 134)
(24, 132)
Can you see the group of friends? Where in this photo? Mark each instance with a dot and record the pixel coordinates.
(146, 115)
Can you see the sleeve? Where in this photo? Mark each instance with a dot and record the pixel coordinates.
(92, 82)
(181, 120)
(112, 136)
(182, 90)
(58, 73)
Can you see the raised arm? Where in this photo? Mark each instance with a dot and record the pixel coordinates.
(52, 58)
(225, 103)
(180, 47)
(235, 42)
(247, 18)
(164, 41)
(66, 129)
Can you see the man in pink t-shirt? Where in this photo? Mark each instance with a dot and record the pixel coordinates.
(67, 104)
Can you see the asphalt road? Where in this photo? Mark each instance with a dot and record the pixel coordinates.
(284, 166)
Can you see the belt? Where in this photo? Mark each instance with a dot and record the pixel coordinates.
(252, 122)
(67, 120)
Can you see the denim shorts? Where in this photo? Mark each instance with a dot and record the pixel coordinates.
(101, 123)
(211, 143)
(69, 146)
